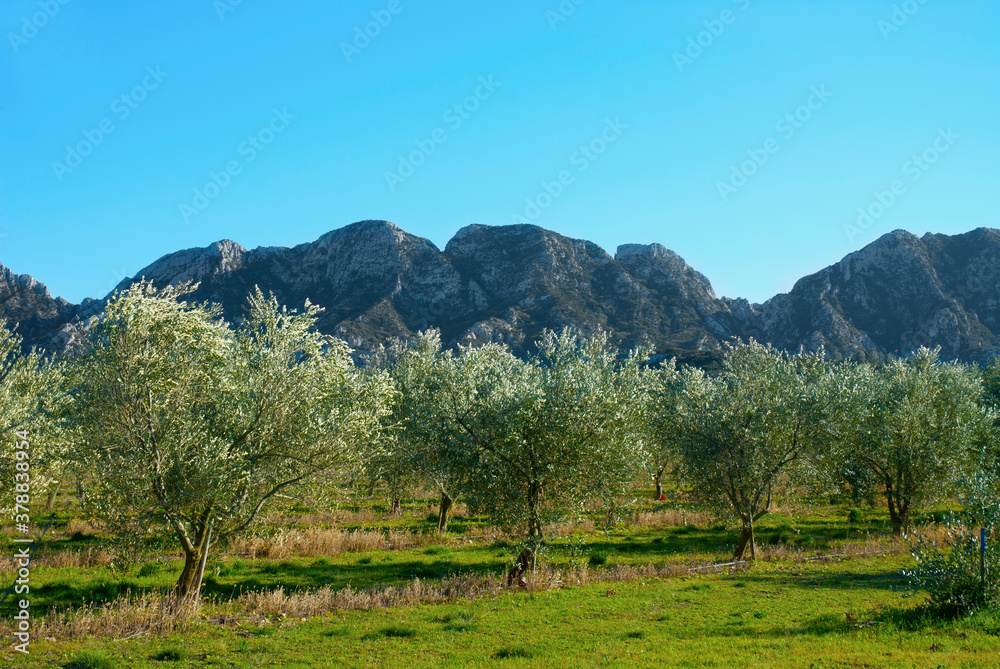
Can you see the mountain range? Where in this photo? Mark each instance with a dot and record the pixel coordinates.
(508, 283)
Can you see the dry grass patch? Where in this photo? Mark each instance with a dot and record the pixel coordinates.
(667, 517)
(323, 542)
(89, 556)
(76, 526)
(126, 617)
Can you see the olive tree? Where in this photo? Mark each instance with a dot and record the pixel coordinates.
(742, 431)
(991, 402)
(958, 574)
(419, 447)
(422, 372)
(23, 381)
(662, 427)
(914, 423)
(539, 437)
(187, 423)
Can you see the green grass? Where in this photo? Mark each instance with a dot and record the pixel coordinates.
(835, 614)
(843, 614)
(172, 654)
(91, 660)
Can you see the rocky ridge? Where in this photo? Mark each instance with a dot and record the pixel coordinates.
(507, 284)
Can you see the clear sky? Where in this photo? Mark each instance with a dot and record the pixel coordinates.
(183, 87)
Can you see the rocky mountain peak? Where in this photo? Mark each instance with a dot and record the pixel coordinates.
(671, 278)
(654, 251)
(503, 239)
(26, 303)
(222, 257)
(372, 229)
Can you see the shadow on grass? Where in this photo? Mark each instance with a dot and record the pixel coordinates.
(313, 576)
(668, 544)
(928, 617)
(890, 580)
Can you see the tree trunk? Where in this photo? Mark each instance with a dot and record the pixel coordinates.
(189, 583)
(50, 501)
(897, 523)
(528, 558)
(80, 492)
(658, 480)
(185, 583)
(443, 512)
(894, 515)
(747, 538)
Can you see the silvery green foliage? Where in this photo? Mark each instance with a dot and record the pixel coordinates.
(418, 448)
(662, 425)
(186, 423)
(745, 431)
(951, 573)
(911, 424)
(540, 437)
(22, 382)
(991, 384)
(991, 401)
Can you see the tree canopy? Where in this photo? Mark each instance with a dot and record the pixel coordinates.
(187, 423)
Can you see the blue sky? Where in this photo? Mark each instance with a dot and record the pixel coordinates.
(644, 125)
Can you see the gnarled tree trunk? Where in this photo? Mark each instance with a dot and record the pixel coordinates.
(195, 557)
(528, 558)
(50, 501)
(899, 509)
(446, 503)
(747, 538)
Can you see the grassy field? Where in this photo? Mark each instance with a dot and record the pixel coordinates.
(789, 610)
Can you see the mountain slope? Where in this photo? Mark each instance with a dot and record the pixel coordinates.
(42, 321)
(897, 294)
(508, 283)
